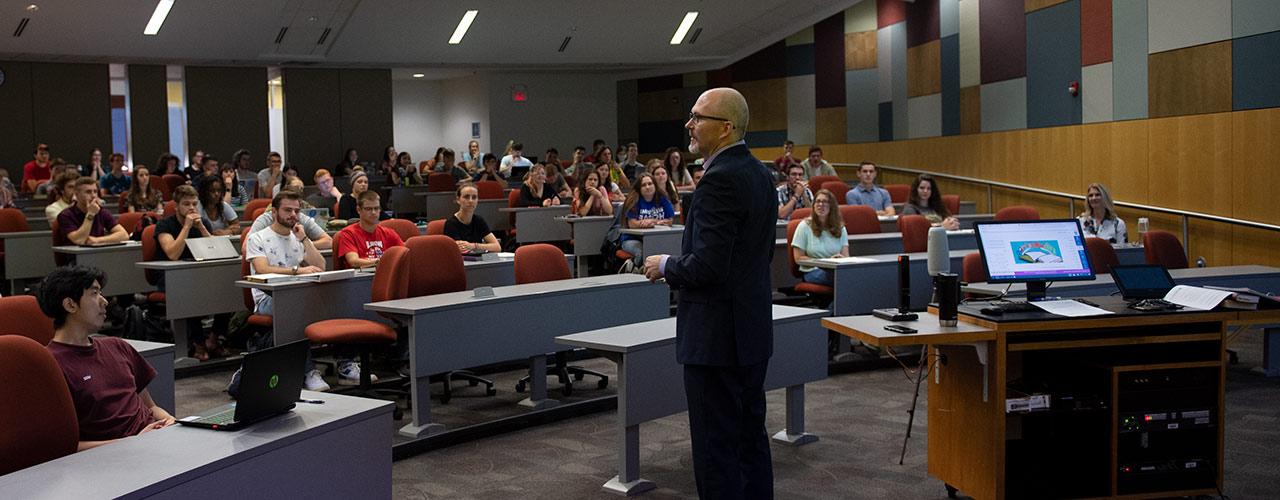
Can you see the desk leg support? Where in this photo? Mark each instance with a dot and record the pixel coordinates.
(628, 481)
(1270, 350)
(181, 345)
(538, 385)
(794, 433)
(420, 390)
(981, 349)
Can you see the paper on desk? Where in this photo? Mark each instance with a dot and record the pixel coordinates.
(848, 260)
(1069, 308)
(1194, 297)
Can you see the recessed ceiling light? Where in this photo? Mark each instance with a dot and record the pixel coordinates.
(157, 17)
(684, 28)
(463, 26)
(33, 8)
(418, 75)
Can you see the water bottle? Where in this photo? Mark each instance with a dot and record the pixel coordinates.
(1144, 224)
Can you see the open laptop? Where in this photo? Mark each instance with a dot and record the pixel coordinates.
(1143, 281)
(212, 248)
(270, 383)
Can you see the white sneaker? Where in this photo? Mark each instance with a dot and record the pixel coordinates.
(349, 374)
(314, 382)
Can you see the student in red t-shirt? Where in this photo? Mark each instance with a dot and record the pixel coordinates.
(107, 377)
(36, 171)
(362, 244)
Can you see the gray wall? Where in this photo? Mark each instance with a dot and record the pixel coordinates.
(227, 111)
(417, 118)
(148, 114)
(563, 110)
(67, 106)
(328, 110)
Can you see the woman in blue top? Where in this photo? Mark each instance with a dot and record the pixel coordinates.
(820, 236)
(645, 207)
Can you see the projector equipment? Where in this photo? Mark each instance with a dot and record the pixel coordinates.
(903, 312)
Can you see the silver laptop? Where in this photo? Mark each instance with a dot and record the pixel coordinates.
(212, 248)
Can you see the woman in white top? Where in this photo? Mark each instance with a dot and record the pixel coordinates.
(1100, 219)
(820, 236)
(673, 159)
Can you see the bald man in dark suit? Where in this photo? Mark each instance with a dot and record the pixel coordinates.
(724, 326)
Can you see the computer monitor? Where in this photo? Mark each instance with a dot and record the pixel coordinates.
(1034, 252)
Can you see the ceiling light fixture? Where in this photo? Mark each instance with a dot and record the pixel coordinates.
(684, 28)
(419, 75)
(157, 17)
(463, 26)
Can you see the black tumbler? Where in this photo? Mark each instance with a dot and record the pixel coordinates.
(948, 293)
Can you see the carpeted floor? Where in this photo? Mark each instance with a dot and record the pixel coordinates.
(860, 418)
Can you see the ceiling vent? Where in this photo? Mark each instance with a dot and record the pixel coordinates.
(694, 38)
(280, 36)
(22, 26)
(565, 43)
(324, 36)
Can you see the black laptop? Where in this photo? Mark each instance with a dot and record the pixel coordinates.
(270, 383)
(1143, 281)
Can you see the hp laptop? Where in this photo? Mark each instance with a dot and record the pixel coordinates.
(270, 382)
(1143, 281)
(212, 248)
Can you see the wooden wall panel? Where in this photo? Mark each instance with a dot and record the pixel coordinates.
(1116, 155)
(1048, 206)
(860, 50)
(924, 69)
(661, 105)
(1053, 159)
(1003, 155)
(1032, 5)
(971, 110)
(1190, 81)
(1255, 157)
(1254, 246)
(768, 100)
(1192, 155)
(830, 127)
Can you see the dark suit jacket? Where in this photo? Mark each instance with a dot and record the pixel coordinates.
(724, 314)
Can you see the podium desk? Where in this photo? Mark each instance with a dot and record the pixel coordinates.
(651, 382)
(538, 224)
(123, 278)
(1137, 401)
(453, 331)
(28, 255)
(658, 240)
(588, 236)
(286, 456)
(195, 290)
(866, 282)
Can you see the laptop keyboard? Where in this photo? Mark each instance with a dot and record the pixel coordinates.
(223, 417)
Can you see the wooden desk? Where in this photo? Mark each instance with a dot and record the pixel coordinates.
(161, 358)
(453, 331)
(194, 290)
(538, 224)
(658, 240)
(1080, 450)
(651, 382)
(1264, 278)
(123, 278)
(339, 449)
(28, 255)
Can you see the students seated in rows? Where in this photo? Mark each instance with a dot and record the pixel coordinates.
(95, 169)
(629, 164)
(406, 173)
(85, 222)
(814, 165)
(820, 236)
(268, 178)
(590, 198)
(686, 199)
(447, 165)
(662, 178)
(327, 194)
(236, 194)
(645, 207)
(348, 204)
(783, 163)
(63, 194)
(926, 200)
(283, 248)
(514, 158)
(1100, 219)
(349, 160)
(615, 193)
(535, 192)
(387, 166)
(556, 180)
(115, 182)
(208, 168)
(794, 193)
(8, 192)
(37, 171)
(470, 231)
(362, 244)
(604, 156)
(219, 215)
(171, 235)
(310, 227)
(167, 163)
(106, 376)
(489, 170)
(573, 170)
(866, 192)
(471, 158)
(142, 195)
(673, 159)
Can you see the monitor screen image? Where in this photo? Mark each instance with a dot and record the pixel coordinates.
(1033, 251)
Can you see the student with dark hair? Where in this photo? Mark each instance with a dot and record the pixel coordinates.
(590, 198)
(535, 192)
(926, 200)
(673, 159)
(86, 222)
(406, 172)
(268, 178)
(106, 376)
(38, 170)
(866, 192)
(115, 182)
(172, 233)
(630, 165)
(388, 164)
(515, 159)
(468, 230)
(236, 193)
(219, 215)
(349, 161)
(448, 166)
(787, 159)
(814, 165)
(489, 170)
(94, 169)
(362, 244)
(142, 195)
(168, 164)
(62, 192)
(579, 153)
(645, 207)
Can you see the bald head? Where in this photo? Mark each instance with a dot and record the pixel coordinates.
(719, 118)
(728, 103)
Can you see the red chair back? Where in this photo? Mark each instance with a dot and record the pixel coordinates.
(1163, 248)
(952, 202)
(12, 220)
(816, 182)
(245, 294)
(130, 220)
(1018, 212)
(391, 281)
(339, 261)
(435, 226)
(151, 252)
(38, 417)
(169, 183)
(23, 317)
(403, 227)
(540, 262)
(435, 266)
(838, 188)
(898, 193)
(915, 233)
(440, 182)
(250, 208)
(170, 208)
(513, 199)
(489, 190)
(973, 270)
(257, 212)
(801, 213)
(59, 259)
(860, 219)
(1102, 257)
(791, 256)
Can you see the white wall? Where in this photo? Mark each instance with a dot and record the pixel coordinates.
(466, 100)
(415, 117)
(563, 110)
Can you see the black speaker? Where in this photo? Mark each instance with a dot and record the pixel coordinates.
(948, 293)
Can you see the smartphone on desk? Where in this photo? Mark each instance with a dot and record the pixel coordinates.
(900, 329)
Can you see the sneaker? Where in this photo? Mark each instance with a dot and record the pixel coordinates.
(314, 382)
(349, 374)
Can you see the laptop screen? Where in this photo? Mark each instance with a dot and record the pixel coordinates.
(1142, 281)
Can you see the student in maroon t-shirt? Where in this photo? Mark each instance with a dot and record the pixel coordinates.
(37, 170)
(86, 222)
(362, 244)
(107, 377)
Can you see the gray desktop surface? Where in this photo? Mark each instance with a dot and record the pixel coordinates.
(452, 300)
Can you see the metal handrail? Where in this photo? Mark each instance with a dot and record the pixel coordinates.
(1186, 215)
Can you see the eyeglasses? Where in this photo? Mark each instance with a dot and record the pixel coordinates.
(697, 118)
